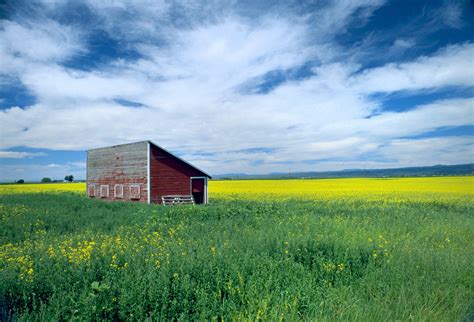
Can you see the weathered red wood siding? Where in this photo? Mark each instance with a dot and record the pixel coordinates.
(123, 164)
(169, 175)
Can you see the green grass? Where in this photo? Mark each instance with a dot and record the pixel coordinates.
(63, 256)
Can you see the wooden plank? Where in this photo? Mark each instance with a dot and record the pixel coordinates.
(172, 200)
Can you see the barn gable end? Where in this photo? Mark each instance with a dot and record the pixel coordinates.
(124, 165)
(170, 175)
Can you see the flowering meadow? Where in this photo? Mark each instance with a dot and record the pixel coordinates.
(332, 249)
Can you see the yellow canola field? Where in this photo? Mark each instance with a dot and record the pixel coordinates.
(43, 187)
(425, 188)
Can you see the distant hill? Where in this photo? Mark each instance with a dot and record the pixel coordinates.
(437, 170)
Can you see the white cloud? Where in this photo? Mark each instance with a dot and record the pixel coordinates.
(430, 151)
(425, 118)
(58, 84)
(35, 172)
(19, 155)
(45, 41)
(403, 43)
(25, 44)
(78, 164)
(448, 67)
(450, 14)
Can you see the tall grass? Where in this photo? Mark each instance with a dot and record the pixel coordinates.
(63, 256)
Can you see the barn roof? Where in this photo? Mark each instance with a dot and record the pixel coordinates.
(161, 148)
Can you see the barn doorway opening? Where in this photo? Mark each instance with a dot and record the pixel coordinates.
(198, 190)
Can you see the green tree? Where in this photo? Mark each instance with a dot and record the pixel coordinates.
(46, 180)
(69, 178)
(21, 181)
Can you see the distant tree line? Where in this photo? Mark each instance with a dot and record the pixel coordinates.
(69, 178)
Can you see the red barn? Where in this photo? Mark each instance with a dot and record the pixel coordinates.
(145, 172)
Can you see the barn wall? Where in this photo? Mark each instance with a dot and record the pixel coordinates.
(123, 164)
(168, 175)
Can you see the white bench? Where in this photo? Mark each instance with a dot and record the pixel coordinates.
(172, 200)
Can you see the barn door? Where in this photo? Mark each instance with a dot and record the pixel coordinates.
(198, 190)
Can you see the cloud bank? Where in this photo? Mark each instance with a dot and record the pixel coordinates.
(233, 87)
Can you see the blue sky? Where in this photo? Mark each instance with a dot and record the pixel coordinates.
(237, 86)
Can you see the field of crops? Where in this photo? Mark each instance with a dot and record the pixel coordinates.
(341, 249)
